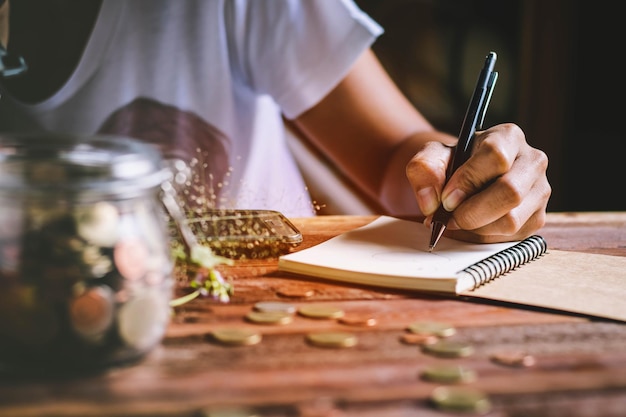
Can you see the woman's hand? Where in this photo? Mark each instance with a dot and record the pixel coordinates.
(499, 194)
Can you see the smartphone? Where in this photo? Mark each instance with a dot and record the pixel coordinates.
(245, 234)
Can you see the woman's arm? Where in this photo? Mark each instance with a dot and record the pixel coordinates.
(390, 152)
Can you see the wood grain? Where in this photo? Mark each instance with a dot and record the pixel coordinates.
(580, 369)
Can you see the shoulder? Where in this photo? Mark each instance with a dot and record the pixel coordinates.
(304, 14)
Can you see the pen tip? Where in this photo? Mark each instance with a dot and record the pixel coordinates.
(437, 231)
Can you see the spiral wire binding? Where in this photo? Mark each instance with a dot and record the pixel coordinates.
(506, 260)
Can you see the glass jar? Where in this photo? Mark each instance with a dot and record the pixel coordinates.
(86, 273)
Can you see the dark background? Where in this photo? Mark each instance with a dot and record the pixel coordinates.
(561, 78)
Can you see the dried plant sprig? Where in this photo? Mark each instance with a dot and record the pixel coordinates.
(200, 268)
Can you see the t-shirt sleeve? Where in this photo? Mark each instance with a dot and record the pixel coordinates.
(298, 51)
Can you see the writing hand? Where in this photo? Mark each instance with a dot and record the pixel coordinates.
(499, 194)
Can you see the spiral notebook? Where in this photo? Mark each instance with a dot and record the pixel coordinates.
(393, 253)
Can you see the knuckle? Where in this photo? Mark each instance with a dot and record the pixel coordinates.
(419, 165)
(546, 192)
(539, 220)
(470, 181)
(511, 130)
(540, 158)
(511, 223)
(511, 193)
(498, 156)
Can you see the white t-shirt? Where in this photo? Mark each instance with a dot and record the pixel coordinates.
(211, 74)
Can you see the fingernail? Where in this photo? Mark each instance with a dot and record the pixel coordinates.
(452, 200)
(427, 200)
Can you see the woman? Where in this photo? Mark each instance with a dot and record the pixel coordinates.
(210, 81)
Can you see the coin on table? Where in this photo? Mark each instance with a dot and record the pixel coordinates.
(295, 292)
(275, 306)
(237, 336)
(229, 412)
(448, 374)
(321, 311)
(432, 327)
(130, 256)
(358, 319)
(269, 317)
(513, 358)
(418, 339)
(332, 339)
(449, 349)
(460, 399)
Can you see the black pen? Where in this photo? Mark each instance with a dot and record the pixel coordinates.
(474, 118)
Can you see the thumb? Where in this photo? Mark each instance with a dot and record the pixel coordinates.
(426, 173)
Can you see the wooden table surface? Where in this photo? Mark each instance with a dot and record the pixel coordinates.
(580, 365)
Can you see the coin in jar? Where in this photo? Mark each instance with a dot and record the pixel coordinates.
(142, 320)
(91, 312)
(98, 223)
(130, 257)
(32, 325)
(98, 264)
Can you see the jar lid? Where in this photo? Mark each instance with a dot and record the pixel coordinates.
(85, 166)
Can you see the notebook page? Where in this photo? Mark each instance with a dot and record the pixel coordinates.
(394, 253)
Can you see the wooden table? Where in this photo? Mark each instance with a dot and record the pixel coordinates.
(580, 369)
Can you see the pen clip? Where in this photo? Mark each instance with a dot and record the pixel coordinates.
(491, 83)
